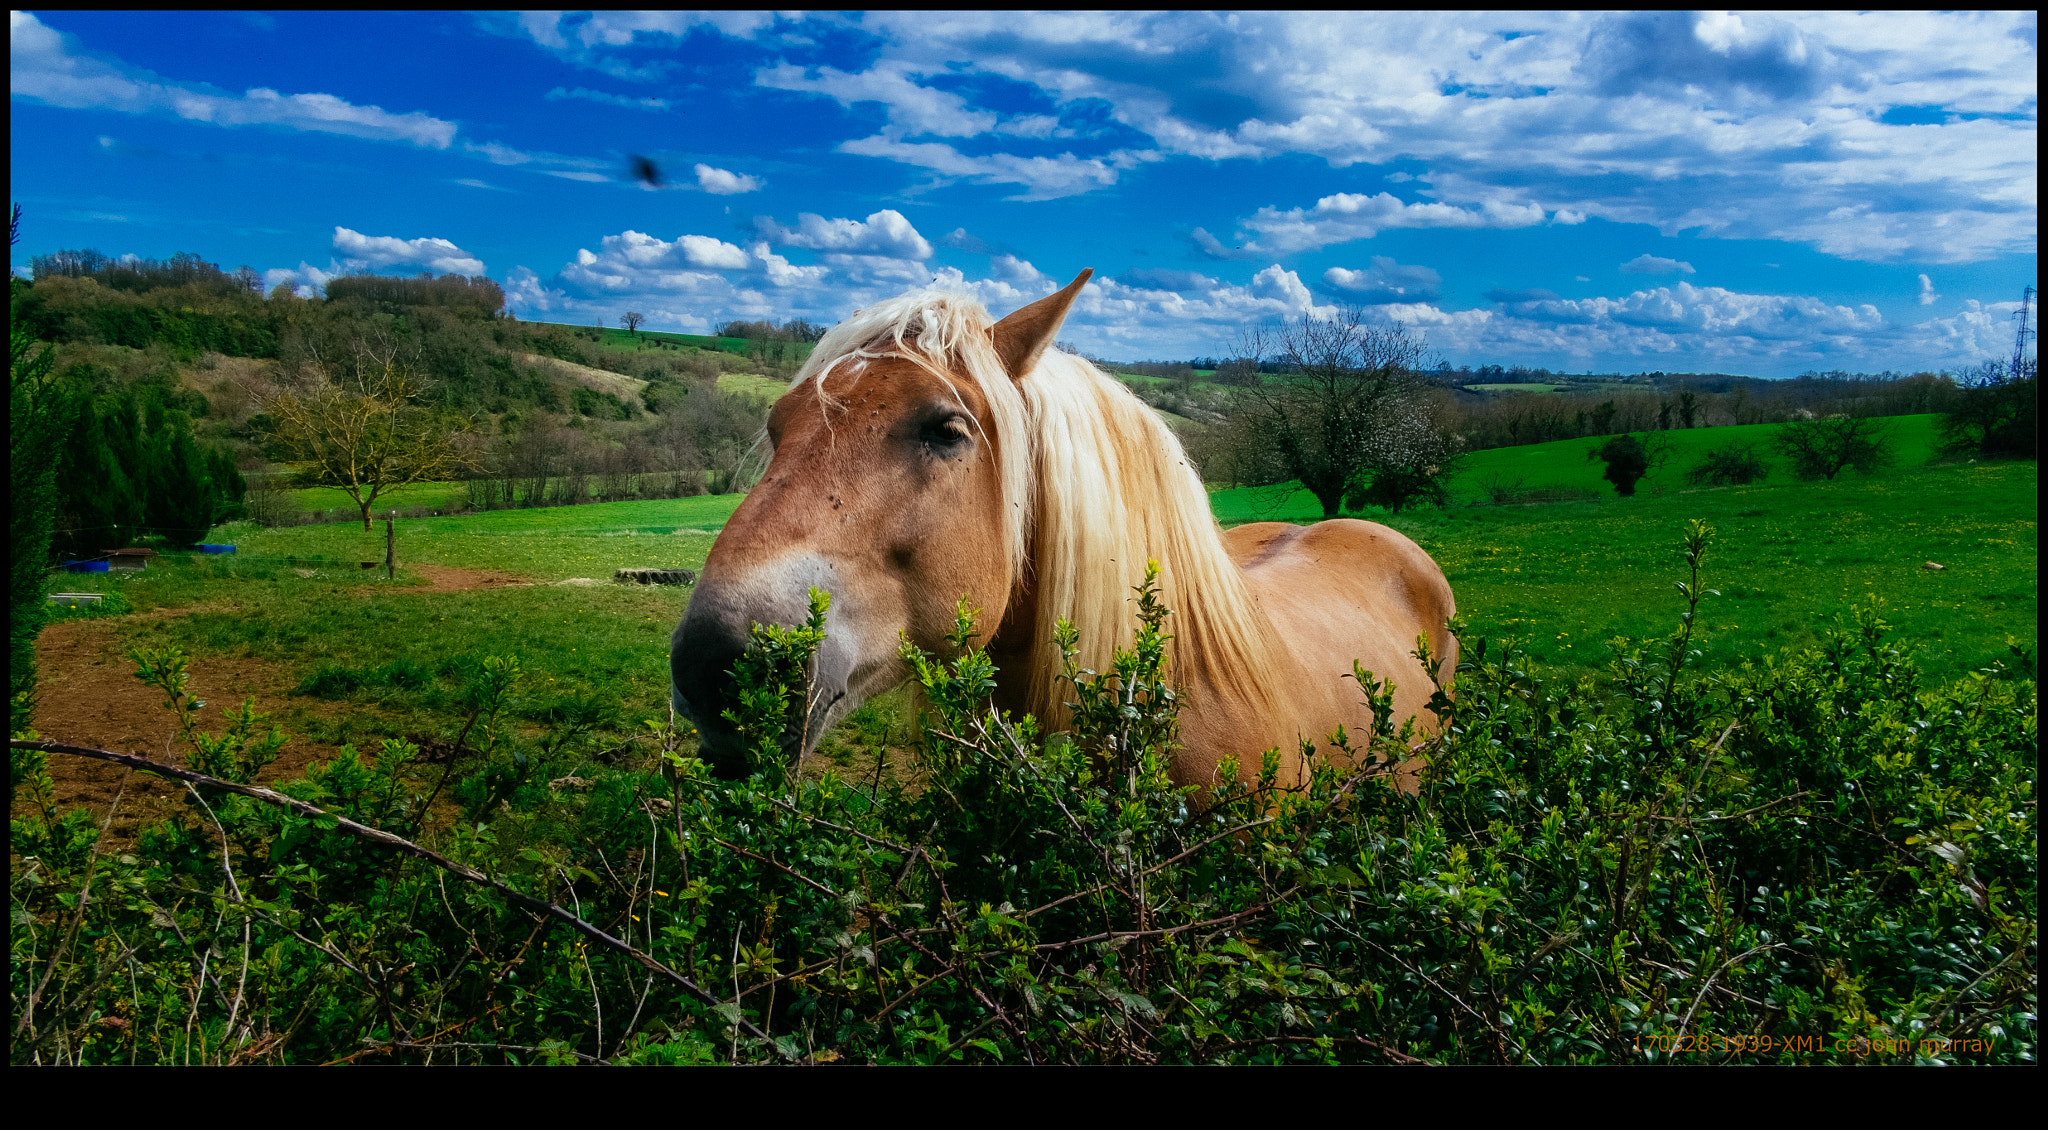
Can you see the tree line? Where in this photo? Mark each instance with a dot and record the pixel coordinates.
(427, 376)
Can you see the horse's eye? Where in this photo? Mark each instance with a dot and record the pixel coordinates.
(949, 432)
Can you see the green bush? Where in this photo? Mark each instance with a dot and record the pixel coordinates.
(1735, 464)
(1809, 858)
(1627, 459)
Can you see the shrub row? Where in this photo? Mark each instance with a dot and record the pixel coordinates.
(1810, 858)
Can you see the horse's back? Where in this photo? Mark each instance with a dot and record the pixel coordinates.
(1346, 590)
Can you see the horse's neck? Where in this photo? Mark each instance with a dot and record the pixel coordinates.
(1014, 649)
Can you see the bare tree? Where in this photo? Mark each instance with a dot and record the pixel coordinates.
(364, 426)
(1823, 447)
(632, 320)
(1349, 403)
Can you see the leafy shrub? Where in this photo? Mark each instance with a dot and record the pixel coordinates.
(1996, 412)
(1735, 464)
(1809, 858)
(1825, 446)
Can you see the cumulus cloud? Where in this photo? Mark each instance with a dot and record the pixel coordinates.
(1718, 51)
(1386, 281)
(1647, 264)
(720, 182)
(307, 281)
(1742, 126)
(1927, 295)
(694, 281)
(885, 233)
(1347, 216)
(48, 67)
(373, 251)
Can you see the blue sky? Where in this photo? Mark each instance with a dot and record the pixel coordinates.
(1749, 193)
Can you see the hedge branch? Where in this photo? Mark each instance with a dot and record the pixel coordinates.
(386, 839)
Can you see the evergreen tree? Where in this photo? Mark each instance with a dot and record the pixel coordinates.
(30, 479)
(180, 503)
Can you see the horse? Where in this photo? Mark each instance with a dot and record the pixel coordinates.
(925, 454)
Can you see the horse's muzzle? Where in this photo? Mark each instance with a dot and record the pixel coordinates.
(713, 635)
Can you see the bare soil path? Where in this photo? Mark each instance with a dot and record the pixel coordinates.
(88, 695)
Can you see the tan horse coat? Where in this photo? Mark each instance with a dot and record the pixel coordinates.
(925, 454)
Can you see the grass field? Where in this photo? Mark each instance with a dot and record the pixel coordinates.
(1566, 577)
(1563, 578)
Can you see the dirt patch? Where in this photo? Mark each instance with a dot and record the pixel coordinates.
(450, 578)
(88, 695)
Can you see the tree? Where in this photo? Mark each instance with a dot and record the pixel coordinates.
(1730, 465)
(1995, 410)
(367, 428)
(1822, 447)
(632, 320)
(1415, 456)
(1627, 459)
(31, 411)
(1349, 404)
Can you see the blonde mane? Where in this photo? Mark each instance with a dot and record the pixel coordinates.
(1094, 485)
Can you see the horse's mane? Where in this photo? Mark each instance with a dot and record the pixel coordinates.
(1099, 486)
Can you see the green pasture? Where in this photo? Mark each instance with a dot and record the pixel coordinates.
(1514, 388)
(617, 340)
(1566, 577)
(753, 384)
(317, 499)
(1562, 578)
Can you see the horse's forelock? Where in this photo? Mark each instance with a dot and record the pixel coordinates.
(946, 334)
(1093, 484)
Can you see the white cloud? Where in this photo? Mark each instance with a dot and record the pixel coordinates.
(1043, 178)
(1346, 216)
(912, 109)
(1927, 295)
(1647, 264)
(1386, 281)
(373, 251)
(603, 98)
(1757, 126)
(45, 66)
(720, 182)
(885, 233)
(307, 281)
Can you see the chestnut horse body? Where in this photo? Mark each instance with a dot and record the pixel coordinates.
(926, 454)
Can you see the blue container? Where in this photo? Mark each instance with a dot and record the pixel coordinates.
(216, 549)
(85, 566)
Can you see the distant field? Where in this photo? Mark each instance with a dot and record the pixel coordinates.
(1514, 388)
(547, 544)
(1566, 577)
(1563, 578)
(317, 499)
(619, 341)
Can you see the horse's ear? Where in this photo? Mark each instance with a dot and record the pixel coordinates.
(1022, 337)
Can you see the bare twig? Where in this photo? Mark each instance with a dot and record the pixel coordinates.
(1725, 967)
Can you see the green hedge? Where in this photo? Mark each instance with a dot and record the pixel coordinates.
(1811, 859)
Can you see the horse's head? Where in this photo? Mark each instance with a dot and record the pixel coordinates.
(887, 490)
